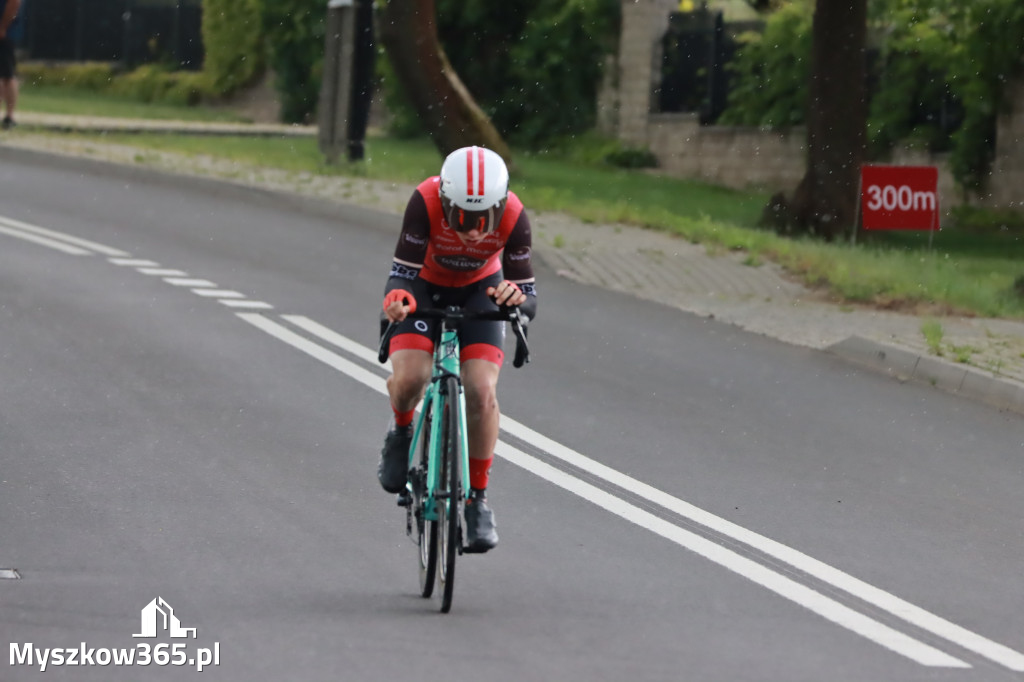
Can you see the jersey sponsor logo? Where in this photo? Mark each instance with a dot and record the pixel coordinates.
(403, 271)
(415, 239)
(459, 263)
(519, 254)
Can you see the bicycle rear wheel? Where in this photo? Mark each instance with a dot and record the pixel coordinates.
(450, 521)
(427, 531)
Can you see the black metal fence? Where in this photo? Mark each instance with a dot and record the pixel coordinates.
(696, 49)
(130, 31)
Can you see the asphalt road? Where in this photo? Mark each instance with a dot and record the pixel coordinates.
(190, 412)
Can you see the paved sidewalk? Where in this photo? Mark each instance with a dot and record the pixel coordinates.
(982, 359)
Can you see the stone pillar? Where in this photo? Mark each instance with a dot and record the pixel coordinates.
(1006, 185)
(644, 23)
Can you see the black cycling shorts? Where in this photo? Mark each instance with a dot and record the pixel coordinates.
(478, 339)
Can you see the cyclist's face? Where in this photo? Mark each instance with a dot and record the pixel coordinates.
(471, 237)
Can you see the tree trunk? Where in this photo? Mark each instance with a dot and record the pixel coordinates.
(825, 202)
(449, 112)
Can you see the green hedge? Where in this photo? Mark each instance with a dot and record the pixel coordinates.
(233, 38)
(149, 83)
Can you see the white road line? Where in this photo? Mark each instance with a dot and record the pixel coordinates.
(187, 282)
(218, 293)
(255, 305)
(162, 272)
(134, 262)
(336, 339)
(374, 381)
(44, 241)
(810, 599)
(877, 597)
(60, 236)
(762, 575)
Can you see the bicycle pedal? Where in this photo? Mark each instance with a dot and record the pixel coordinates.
(403, 499)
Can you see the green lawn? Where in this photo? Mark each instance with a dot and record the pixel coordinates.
(57, 100)
(966, 270)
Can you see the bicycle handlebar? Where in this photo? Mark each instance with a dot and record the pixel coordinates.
(455, 314)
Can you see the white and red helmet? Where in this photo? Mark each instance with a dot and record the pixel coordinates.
(474, 189)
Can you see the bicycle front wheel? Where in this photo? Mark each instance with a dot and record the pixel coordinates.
(427, 531)
(450, 521)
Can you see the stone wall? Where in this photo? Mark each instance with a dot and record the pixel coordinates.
(725, 155)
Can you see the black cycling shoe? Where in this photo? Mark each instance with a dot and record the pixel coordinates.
(481, 535)
(393, 470)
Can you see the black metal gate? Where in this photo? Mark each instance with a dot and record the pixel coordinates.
(695, 51)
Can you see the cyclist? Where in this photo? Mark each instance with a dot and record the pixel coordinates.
(465, 241)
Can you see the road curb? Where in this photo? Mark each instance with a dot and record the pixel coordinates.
(905, 365)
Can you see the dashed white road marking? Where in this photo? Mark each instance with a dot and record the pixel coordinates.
(255, 305)
(218, 293)
(189, 282)
(134, 262)
(162, 272)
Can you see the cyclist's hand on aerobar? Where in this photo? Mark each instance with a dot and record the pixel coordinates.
(507, 293)
(397, 304)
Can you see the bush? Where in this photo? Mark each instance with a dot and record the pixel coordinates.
(233, 40)
(295, 31)
(153, 83)
(988, 220)
(92, 76)
(632, 158)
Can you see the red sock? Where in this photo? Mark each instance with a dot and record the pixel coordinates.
(479, 472)
(403, 418)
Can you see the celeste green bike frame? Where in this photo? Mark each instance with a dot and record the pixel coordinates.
(446, 364)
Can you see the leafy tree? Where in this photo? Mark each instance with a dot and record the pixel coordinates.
(534, 65)
(450, 114)
(993, 55)
(771, 72)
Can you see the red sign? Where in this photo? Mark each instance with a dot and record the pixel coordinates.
(899, 197)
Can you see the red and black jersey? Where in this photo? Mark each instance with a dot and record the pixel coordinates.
(428, 248)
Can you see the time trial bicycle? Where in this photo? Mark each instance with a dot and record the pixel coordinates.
(435, 494)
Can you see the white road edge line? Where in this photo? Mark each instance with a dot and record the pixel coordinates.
(44, 241)
(877, 597)
(810, 599)
(804, 596)
(60, 236)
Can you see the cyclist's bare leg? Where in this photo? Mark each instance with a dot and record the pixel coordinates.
(480, 380)
(410, 374)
